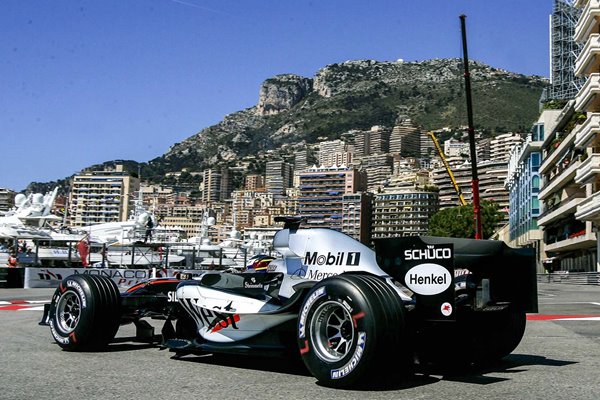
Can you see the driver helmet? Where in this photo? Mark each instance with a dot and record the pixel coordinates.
(259, 263)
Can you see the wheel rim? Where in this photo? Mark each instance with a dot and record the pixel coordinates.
(68, 311)
(333, 331)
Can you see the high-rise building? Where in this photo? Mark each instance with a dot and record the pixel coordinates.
(279, 177)
(569, 239)
(101, 196)
(331, 152)
(7, 199)
(300, 160)
(378, 169)
(403, 212)
(216, 185)
(255, 183)
(523, 183)
(491, 174)
(501, 145)
(379, 140)
(356, 216)
(571, 166)
(322, 191)
(405, 139)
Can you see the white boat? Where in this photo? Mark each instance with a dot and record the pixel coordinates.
(202, 252)
(132, 244)
(24, 230)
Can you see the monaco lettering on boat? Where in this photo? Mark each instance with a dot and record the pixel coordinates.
(428, 279)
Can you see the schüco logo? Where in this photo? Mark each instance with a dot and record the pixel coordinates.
(430, 253)
(339, 258)
(428, 279)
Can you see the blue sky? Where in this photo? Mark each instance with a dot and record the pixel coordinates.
(83, 82)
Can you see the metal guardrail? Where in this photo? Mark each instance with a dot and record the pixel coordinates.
(573, 278)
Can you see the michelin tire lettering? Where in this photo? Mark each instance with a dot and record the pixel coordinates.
(79, 290)
(358, 352)
(304, 313)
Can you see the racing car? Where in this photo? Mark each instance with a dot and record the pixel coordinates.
(352, 312)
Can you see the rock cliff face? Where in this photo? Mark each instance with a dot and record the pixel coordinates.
(292, 109)
(295, 112)
(281, 93)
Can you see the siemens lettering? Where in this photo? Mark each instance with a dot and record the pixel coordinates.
(428, 254)
(339, 258)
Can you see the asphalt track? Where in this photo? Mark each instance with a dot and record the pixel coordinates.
(559, 358)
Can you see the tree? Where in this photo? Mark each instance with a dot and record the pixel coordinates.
(459, 222)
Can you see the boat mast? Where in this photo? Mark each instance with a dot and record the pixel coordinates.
(475, 178)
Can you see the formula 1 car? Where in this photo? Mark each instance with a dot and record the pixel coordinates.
(353, 313)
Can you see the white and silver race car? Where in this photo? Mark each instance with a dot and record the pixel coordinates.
(348, 310)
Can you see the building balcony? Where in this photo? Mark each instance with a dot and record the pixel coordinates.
(555, 154)
(588, 170)
(588, 98)
(566, 207)
(578, 240)
(589, 210)
(588, 21)
(588, 60)
(586, 133)
(563, 177)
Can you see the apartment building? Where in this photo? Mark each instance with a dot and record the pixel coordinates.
(378, 169)
(405, 138)
(216, 185)
(491, 174)
(356, 216)
(7, 199)
(523, 183)
(501, 145)
(322, 191)
(569, 240)
(101, 196)
(587, 142)
(279, 177)
(403, 211)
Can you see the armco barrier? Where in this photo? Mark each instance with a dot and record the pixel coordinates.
(573, 278)
(11, 277)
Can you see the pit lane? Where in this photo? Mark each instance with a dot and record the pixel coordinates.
(558, 358)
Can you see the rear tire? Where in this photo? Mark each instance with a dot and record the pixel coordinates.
(85, 312)
(351, 330)
(496, 335)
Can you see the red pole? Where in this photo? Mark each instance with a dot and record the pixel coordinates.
(475, 179)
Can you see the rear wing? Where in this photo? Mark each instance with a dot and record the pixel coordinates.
(511, 271)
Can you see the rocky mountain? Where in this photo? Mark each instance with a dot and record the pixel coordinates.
(293, 111)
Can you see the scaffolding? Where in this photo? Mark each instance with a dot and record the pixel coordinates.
(563, 52)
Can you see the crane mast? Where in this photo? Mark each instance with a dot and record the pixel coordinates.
(448, 169)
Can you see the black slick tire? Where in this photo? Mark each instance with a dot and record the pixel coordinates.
(85, 312)
(351, 330)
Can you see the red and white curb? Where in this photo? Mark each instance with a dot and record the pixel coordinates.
(563, 317)
(23, 305)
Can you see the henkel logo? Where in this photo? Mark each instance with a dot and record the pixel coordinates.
(428, 279)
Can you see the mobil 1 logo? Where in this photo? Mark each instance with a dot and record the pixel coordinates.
(428, 270)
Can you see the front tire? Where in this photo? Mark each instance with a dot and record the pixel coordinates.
(85, 312)
(350, 331)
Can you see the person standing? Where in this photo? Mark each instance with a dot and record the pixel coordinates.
(149, 227)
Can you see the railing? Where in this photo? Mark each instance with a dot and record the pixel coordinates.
(573, 278)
